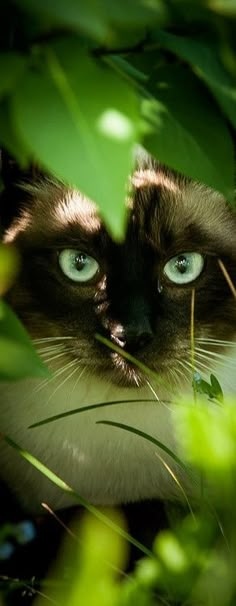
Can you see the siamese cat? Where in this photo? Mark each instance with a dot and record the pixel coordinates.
(76, 282)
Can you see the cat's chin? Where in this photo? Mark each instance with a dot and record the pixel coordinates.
(124, 373)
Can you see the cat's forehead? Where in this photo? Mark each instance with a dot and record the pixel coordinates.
(160, 205)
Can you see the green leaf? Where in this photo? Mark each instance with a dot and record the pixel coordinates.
(18, 358)
(97, 558)
(186, 131)
(213, 390)
(207, 63)
(12, 66)
(224, 7)
(79, 119)
(9, 266)
(206, 436)
(55, 479)
(8, 136)
(100, 18)
(216, 389)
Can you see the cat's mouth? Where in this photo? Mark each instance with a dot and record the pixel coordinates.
(126, 373)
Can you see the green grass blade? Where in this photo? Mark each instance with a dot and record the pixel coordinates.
(64, 486)
(76, 411)
(146, 436)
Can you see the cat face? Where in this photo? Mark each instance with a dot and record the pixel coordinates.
(76, 282)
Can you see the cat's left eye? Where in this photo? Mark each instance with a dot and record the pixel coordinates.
(184, 268)
(77, 265)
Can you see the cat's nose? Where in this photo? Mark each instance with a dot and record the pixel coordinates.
(131, 337)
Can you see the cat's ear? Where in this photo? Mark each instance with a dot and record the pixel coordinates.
(12, 196)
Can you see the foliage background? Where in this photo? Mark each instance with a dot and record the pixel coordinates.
(82, 81)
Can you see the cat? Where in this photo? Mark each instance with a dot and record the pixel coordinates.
(76, 282)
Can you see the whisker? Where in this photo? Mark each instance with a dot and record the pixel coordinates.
(52, 348)
(215, 360)
(53, 357)
(45, 339)
(215, 341)
(176, 378)
(214, 354)
(196, 366)
(186, 368)
(64, 381)
(75, 385)
(152, 389)
(56, 374)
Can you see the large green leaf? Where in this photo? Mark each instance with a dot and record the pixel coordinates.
(79, 120)
(18, 358)
(186, 131)
(206, 61)
(8, 136)
(12, 66)
(98, 18)
(225, 7)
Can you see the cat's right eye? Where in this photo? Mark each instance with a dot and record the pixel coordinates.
(184, 268)
(77, 265)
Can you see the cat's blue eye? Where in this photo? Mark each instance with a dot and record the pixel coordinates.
(184, 268)
(77, 265)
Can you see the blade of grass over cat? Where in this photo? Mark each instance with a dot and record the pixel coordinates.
(192, 327)
(176, 480)
(133, 360)
(147, 437)
(76, 411)
(55, 479)
(192, 339)
(227, 277)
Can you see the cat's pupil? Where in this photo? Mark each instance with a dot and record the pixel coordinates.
(80, 261)
(182, 264)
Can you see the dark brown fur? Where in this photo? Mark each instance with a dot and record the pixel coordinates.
(168, 214)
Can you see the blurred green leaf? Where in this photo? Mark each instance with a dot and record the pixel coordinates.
(18, 358)
(207, 437)
(205, 59)
(99, 18)
(224, 7)
(92, 566)
(12, 66)
(9, 266)
(186, 131)
(8, 136)
(92, 118)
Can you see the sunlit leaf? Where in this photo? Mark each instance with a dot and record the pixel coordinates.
(92, 118)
